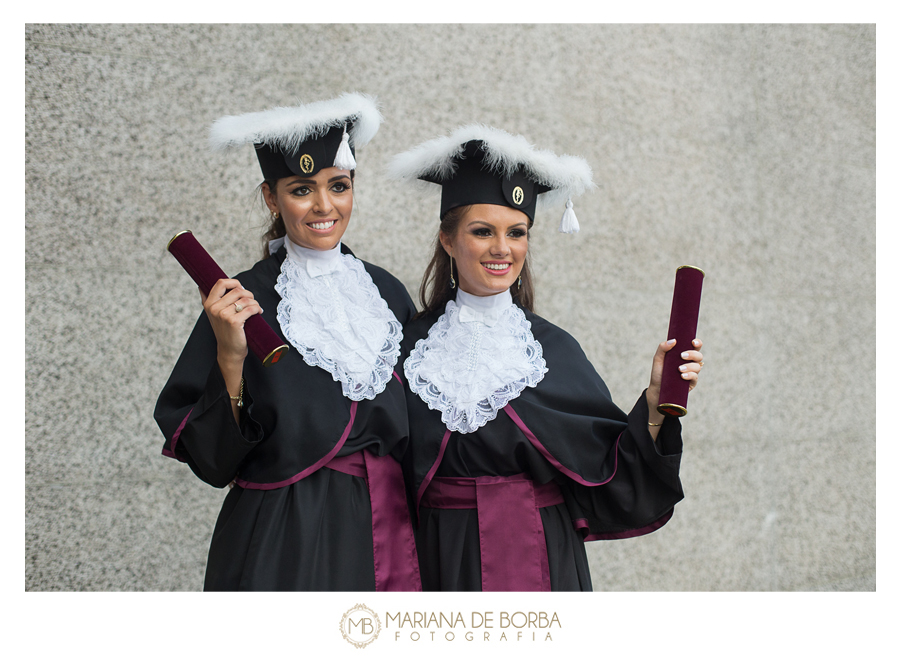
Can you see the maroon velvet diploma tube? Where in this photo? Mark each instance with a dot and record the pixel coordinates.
(673, 393)
(261, 340)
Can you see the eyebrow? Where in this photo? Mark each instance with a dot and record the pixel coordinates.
(489, 225)
(310, 181)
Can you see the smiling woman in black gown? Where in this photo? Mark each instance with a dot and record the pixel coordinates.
(517, 453)
(312, 444)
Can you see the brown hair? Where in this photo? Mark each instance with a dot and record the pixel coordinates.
(435, 290)
(275, 227)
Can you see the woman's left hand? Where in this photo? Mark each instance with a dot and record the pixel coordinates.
(689, 371)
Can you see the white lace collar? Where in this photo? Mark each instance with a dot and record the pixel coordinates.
(332, 312)
(478, 356)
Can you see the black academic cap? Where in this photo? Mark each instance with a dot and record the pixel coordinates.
(301, 140)
(480, 164)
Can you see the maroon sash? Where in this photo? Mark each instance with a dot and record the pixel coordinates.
(511, 534)
(394, 547)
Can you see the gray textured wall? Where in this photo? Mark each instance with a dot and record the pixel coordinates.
(746, 150)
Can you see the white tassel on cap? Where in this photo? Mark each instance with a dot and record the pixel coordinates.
(569, 222)
(344, 158)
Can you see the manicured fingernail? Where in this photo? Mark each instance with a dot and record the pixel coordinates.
(671, 341)
(684, 355)
(682, 368)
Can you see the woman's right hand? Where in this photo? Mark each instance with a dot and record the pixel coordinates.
(221, 306)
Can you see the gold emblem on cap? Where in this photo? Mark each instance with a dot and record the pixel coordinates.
(518, 195)
(306, 163)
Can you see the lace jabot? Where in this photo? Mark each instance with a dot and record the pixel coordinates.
(332, 312)
(478, 356)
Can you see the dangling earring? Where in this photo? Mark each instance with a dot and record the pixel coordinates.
(520, 282)
(452, 280)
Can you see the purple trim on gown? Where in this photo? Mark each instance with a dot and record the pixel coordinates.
(170, 452)
(266, 486)
(432, 470)
(550, 458)
(582, 526)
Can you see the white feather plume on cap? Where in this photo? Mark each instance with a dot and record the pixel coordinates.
(568, 176)
(288, 127)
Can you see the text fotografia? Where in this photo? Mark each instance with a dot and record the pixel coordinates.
(476, 627)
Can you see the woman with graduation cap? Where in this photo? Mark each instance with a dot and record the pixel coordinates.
(517, 453)
(311, 444)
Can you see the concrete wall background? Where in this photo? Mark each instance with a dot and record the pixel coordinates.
(748, 151)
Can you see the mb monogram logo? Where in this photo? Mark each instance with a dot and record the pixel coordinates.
(360, 626)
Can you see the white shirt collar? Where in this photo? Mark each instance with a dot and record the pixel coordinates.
(316, 262)
(486, 310)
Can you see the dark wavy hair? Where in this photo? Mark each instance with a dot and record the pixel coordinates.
(435, 290)
(275, 227)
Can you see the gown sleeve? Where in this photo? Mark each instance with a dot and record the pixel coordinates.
(644, 488)
(617, 481)
(195, 415)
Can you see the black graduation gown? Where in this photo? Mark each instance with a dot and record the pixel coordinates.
(289, 524)
(615, 480)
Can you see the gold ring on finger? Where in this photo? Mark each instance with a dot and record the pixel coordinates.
(238, 308)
